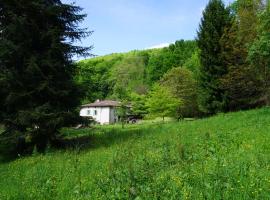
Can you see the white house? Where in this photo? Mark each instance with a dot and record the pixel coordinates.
(103, 112)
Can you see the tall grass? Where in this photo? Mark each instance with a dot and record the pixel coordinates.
(223, 157)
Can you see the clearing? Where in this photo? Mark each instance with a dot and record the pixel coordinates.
(222, 157)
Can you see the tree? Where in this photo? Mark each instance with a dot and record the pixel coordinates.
(36, 66)
(193, 64)
(128, 75)
(173, 56)
(123, 112)
(181, 82)
(94, 78)
(139, 108)
(215, 19)
(162, 103)
(241, 84)
(259, 53)
(246, 16)
(237, 82)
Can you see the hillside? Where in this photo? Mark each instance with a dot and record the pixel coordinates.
(120, 74)
(223, 157)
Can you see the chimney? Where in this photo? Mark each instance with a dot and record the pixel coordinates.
(97, 100)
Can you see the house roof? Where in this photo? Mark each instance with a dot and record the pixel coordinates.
(105, 103)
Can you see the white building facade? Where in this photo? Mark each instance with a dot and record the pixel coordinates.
(103, 112)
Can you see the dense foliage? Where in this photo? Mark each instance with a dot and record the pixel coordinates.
(119, 75)
(242, 82)
(132, 76)
(259, 53)
(38, 91)
(174, 56)
(182, 84)
(162, 102)
(234, 51)
(213, 24)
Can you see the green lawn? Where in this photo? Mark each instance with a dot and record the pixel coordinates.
(223, 157)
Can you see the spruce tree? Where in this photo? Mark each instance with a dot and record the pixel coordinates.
(38, 92)
(213, 24)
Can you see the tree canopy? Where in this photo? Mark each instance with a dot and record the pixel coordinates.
(216, 18)
(162, 103)
(115, 75)
(36, 67)
(183, 85)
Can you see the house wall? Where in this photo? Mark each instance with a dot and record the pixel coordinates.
(104, 115)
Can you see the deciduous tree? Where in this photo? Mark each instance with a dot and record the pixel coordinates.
(181, 82)
(242, 83)
(259, 53)
(162, 103)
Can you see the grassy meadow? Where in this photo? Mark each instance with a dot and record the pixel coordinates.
(222, 157)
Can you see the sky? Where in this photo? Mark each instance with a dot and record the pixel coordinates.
(125, 25)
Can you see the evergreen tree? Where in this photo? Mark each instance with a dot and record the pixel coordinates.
(36, 74)
(215, 19)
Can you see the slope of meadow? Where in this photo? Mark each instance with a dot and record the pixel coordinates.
(222, 157)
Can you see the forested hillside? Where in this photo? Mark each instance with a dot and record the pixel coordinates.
(118, 75)
(130, 77)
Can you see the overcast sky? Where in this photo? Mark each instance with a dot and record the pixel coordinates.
(124, 25)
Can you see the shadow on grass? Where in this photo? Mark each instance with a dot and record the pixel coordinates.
(98, 137)
(83, 139)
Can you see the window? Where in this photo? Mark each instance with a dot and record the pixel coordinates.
(95, 112)
(88, 112)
